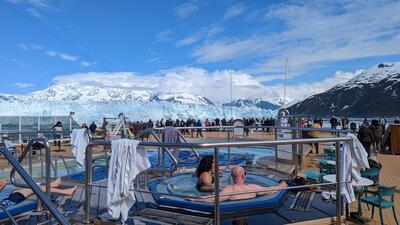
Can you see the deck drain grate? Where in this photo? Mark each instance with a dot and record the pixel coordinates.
(175, 218)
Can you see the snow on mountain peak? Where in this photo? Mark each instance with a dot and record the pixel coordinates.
(251, 103)
(80, 92)
(377, 73)
(183, 98)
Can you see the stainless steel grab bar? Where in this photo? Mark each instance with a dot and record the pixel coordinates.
(35, 188)
(47, 158)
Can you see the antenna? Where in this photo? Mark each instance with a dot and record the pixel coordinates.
(284, 88)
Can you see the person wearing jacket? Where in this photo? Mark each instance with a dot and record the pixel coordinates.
(366, 137)
(377, 132)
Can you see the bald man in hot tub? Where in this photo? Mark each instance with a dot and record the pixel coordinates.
(238, 175)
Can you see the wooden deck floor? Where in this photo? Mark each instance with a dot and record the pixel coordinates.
(390, 176)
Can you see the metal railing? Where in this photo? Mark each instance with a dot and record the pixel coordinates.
(157, 137)
(28, 149)
(216, 146)
(35, 188)
(162, 166)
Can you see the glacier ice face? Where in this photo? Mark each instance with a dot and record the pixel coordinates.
(136, 110)
(92, 102)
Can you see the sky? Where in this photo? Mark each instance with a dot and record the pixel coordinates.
(195, 46)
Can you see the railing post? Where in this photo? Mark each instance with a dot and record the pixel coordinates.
(20, 129)
(30, 161)
(338, 184)
(276, 147)
(294, 153)
(301, 151)
(229, 150)
(56, 166)
(216, 187)
(48, 169)
(88, 180)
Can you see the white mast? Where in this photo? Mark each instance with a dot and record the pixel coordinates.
(230, 87)
(284, 88)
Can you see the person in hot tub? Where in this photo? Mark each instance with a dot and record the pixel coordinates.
(238, 174)
(205, 178)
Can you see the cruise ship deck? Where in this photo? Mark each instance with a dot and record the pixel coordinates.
(283, 168)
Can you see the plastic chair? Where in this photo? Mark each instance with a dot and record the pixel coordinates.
(329, 152)
(326, 168)
(378, 200)
(314, 176)
(372, 174)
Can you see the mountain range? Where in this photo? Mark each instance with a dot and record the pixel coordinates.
(373, 92)
(91, 102)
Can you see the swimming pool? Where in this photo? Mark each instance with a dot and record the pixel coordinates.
(239, 156)
(185, 184)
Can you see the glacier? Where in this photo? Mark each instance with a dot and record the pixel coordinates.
(88, 111)
(93, 102)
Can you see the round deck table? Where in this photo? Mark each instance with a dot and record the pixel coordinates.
(361, 183)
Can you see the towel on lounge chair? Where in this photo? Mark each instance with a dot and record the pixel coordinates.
(79, 142)
(127, 161)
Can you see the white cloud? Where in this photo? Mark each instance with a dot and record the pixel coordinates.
(54, 54)
(29, 46)
(15, 61)
(226, 50)
(23, 85)
(34, 12)
(188, 41)
(63, 56)
(165, 35)
(185, 10)
(68, 57)
(42, 4)
(211, 84)
(313, 33)
(85, 64)
(234, 10)
(204, 33)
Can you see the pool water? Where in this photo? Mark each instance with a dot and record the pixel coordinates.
(185, 183)
(239, 156)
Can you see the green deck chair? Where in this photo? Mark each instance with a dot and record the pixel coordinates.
(383, 199)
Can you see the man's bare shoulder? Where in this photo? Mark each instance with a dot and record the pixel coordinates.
(254, 186)
(227, 189)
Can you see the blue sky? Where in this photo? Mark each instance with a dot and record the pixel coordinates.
(325, 42)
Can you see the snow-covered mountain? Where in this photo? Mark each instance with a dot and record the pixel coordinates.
(182, 98)
(91, 102)
(372, 92)
(252, 103)
(83, 93)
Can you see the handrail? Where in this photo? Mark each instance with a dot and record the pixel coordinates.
(231, 144)
(216, 146)
(261, 127)
(174, 160)
(196, 154)
(35, 188)
(151, 131)
(47, 158)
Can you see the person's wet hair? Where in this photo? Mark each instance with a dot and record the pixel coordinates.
(205, 165)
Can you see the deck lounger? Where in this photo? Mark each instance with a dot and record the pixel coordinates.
(19, 210)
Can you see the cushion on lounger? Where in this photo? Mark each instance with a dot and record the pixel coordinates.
(25, 206)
